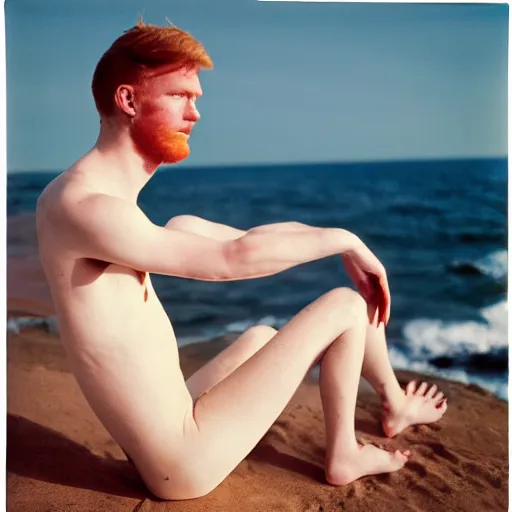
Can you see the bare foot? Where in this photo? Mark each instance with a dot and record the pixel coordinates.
(367, 460)
(417, 407)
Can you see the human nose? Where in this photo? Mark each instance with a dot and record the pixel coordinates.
(192, 113)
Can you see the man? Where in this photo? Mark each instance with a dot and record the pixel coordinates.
(98, 249)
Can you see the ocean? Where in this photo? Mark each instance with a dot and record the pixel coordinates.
(439, 228)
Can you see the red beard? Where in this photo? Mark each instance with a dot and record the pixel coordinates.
(159, 142)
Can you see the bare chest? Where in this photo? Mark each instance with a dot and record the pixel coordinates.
(103, 306)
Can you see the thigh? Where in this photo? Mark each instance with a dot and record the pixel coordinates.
(243, 406)
(225, 424)
(229, 359)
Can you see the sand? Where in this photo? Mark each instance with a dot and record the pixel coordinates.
(60, 457)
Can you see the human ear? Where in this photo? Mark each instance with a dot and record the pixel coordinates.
(124, 98)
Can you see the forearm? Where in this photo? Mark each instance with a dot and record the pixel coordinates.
(259, 254)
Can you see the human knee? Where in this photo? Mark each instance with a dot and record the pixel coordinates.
(348, 300)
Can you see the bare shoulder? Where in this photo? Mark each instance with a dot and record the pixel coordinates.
(61, 192)
(61, 200)
(82, 219)
(78, 217)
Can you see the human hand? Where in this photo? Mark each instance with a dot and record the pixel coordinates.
(369, 276)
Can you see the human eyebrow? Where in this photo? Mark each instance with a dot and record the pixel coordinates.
(186, 92)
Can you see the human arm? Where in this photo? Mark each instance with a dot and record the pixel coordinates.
(369, 278)
(217, 231)
(110, 229)
(203, 227)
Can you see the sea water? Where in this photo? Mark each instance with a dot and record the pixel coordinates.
(439, 228)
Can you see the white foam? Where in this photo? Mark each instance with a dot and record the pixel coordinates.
(497, 316)
(243, 325)
(428, 338)
(237, 327)
(497, 385)
(494, 264)
(15, 324)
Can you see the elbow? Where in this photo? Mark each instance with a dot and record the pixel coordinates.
(239, 257)
(182, 223)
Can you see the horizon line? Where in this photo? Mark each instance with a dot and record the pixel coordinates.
(302, 163)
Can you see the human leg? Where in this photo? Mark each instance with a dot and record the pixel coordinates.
(400, 409)
(227, 422)
(244, 347)
(340, 371)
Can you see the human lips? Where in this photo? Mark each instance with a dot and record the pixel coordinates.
(186, 132)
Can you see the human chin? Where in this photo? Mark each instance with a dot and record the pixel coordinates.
(173, 147)
(162, 143)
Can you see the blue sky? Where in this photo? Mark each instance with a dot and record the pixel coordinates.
(293, 82)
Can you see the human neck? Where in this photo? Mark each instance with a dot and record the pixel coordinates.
(127, 170)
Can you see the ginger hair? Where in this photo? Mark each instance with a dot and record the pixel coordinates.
(142, 51)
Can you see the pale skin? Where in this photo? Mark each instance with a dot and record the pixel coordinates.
(186, 437)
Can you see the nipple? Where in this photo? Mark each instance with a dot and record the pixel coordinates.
(142, 279)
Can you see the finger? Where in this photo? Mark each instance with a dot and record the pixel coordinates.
(378, 297)
(371, 295)
(380, 284)
(371, 310)
(360, 279)
(367, 291)
(382, 309)
(387, 297)
(384, 305)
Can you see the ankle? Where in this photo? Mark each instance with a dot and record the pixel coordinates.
(392, 395)
(342, 451)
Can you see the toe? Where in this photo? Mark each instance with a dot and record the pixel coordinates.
(411, 388)
(400, 457)
(431, 392)
(438, 397)
(421, 390)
